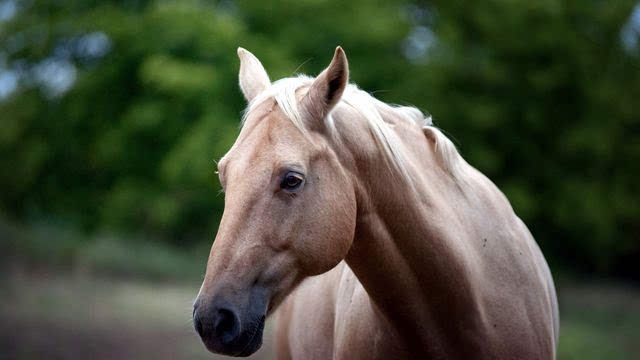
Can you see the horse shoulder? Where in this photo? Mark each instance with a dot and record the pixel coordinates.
(362, 332)
(518, 297)
(305, 321)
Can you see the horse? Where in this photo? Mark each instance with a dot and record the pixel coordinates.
(362, 225)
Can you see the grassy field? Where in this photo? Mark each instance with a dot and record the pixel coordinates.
(599, 320)
(69, 317)
(78, 317)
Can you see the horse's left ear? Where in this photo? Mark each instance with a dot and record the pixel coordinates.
(327, 88)
(252, 76)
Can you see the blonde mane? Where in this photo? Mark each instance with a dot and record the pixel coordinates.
(286, 94)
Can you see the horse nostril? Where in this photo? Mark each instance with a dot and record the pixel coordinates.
(226, 325)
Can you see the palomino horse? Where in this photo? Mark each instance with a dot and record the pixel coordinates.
(365, 227)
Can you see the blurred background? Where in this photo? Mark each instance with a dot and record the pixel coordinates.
(112, 113)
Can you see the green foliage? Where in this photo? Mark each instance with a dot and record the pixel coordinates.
(142, 259)
(541, 102)
(540, 96)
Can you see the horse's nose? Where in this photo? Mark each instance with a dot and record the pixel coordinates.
(218, 327)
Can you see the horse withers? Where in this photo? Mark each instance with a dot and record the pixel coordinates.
(368, 232)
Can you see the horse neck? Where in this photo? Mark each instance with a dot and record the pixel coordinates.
(407, 249)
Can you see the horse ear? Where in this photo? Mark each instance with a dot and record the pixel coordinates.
(327, 88)
(252, 76)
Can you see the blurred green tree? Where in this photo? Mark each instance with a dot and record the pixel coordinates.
(543, 97)
(123, 106)
(113, 112)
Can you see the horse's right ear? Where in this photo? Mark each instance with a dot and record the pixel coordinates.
(327, 88)
(252, 76)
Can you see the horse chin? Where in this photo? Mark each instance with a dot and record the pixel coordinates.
(254, 337)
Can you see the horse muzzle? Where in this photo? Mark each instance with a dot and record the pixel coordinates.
(225, 329)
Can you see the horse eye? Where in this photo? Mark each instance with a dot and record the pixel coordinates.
(291, 181)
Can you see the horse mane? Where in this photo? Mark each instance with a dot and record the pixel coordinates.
(368, 107)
